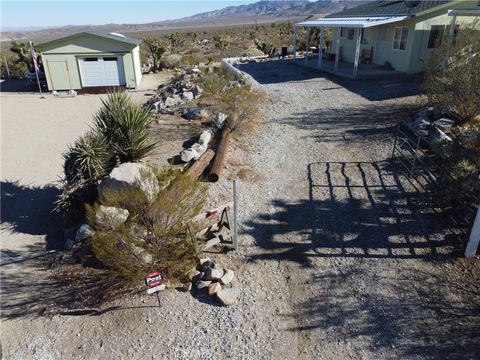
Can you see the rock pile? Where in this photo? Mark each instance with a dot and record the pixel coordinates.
(431, 128)
(196, 150)
(215, 281)
(180, 91)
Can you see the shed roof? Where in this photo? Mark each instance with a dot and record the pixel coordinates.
(111, 36)
(386, 8)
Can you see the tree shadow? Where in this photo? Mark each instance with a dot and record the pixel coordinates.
(378, 89)
(28, 210)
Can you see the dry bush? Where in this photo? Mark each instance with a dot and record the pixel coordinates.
(239, 101)
(154, 237)
(453, 74)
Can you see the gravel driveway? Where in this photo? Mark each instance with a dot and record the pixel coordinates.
(339, 258)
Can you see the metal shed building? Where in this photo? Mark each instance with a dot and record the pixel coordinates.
(91, 59)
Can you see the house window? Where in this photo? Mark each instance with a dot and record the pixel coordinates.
(110, 59)
(350, 34)
(91, 59)
(343, 32)
(436, 36)
(400, 38)
(365, 37)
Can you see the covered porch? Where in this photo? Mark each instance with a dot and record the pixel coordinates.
(315, 55)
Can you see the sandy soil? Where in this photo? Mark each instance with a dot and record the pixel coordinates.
(340, 258)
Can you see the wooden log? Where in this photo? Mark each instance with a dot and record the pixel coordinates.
(220, 157)
(199, 166)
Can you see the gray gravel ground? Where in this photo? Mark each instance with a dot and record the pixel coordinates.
(339, 258)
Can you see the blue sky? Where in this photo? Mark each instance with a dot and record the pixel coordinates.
(20, 14)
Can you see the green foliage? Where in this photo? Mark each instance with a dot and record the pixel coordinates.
(16, 69)
(88, 159)
(221, 43)
(267, 47)
(171, 61)
(453, 75)
(126, 127)
(21, 50)
(156, 49)
(176, 39)
(154, 231)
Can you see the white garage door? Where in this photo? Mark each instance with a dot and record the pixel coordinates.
(102, 71)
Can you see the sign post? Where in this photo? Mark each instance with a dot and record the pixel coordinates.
(154, 282)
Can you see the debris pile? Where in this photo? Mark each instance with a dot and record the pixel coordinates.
(215, 281)
(429, 127)
(180, 91)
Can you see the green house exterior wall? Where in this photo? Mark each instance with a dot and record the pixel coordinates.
(415, 57)
(69, 50)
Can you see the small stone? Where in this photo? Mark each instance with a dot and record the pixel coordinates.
(202, 284)
(110, 216)
(214, 288)
(213, 274)
(187, 96)
(83, 232)
(194, 275)
(228, 296)
(227, 277)
(444, 123)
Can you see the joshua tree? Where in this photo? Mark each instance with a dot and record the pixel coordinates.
(156, 49)
(193, 35)
(176, 39)
(221, 43)
(22, 53)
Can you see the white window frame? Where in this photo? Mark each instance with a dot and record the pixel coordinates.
(402, 29)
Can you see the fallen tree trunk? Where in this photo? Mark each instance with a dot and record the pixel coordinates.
(220, 157)
(199, 166)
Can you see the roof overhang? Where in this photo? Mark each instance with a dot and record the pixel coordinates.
(353, 22)
(464, 12)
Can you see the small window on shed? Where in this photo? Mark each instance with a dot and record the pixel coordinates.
(110, 59)
(91, 59)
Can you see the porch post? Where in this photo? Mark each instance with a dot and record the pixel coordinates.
(337, 49)
(357, 53)
(295, 36)
(307, 44)
(452, 25)
(320, 47)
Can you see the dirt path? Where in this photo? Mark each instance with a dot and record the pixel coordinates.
(339, 258)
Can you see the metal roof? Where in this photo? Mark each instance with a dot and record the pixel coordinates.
(352, 22)
(391, 7)
(107, 35)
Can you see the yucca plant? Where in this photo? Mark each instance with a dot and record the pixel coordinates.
(126, 127)
(88, 159)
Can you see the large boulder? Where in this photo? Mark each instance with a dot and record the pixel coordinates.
(84, 231)
(110, 217)
(131, 176)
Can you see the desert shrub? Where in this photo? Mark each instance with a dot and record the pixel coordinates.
(267, 47)
(126, 127)
(88, 159)
(155, 50)
(239, 101)
(154, 236)
(453, 74)
(252, 51)
(171, 61)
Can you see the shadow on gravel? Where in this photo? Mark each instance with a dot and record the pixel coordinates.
(356, 209)
(378, 89)
(28, 210)
(365, 123)
(356, 238)
(420, 314)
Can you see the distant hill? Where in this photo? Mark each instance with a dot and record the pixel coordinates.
(264, 11)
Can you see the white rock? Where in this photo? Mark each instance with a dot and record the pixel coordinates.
(227, 277)
(228, 296)
(202, 284)
(110, 217)
(205, 137)
(213, 274)
(214, 288)
(187, 96)
(131, 175)
(83, 232)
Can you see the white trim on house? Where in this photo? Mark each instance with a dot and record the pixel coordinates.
(352, 22)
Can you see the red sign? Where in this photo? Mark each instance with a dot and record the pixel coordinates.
(153, 279)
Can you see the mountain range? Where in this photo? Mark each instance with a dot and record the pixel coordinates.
(265, 11)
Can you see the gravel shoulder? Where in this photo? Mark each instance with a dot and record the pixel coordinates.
(339, 257)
